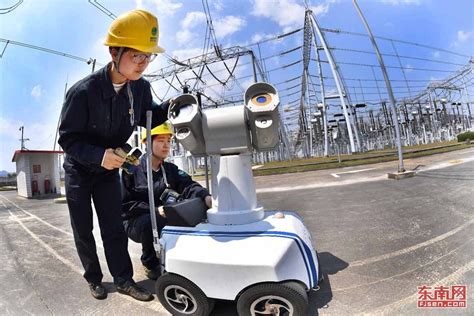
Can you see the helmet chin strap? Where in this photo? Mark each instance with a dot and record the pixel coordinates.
(160, 161)
(120, 52)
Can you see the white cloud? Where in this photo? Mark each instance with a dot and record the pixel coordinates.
(408, 68)
(222, 26)
(287, 13)
(182, 54)
(228, 25)
(218, 5)
(402, 2)
(36, 92)
(186, 35)
(193, 18)
(320, 9)
(463, 36)
(257, 37)
(436, 54)
(183, 36)
(167, 7)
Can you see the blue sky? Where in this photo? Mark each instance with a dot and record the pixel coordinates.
(32, 82)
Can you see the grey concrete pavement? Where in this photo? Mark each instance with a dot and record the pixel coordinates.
(378, 240)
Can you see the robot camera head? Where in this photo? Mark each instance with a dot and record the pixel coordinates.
(261, 105)
(185, 115)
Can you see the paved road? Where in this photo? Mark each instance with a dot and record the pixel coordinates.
(378, 241)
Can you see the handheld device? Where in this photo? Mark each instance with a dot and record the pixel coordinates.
(132, 157)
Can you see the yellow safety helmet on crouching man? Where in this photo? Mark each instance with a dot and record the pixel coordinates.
(137, 29)
(163, 129)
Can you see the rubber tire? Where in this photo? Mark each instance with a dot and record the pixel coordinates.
(298, 287)
(204, 305)
(297, 297)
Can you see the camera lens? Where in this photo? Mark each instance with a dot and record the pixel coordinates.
(261, 99)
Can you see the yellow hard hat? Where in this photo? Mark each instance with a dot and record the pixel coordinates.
(137, 29)
(163, 129)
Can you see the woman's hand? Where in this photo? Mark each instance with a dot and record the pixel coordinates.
(208, 201)
(161, 211)
(111, 160)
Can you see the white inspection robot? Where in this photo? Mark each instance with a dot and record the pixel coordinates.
(264, 260)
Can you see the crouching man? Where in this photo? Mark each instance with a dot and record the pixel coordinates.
(135, 207)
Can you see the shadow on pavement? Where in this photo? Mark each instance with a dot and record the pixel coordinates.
(330, 265)
(225, 308)
(148, 284)
(446, 175)
(109, 286)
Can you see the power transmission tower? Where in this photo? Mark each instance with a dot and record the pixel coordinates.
(342, 93)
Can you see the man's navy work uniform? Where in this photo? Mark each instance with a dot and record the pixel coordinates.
(135, 207)
(94, 117)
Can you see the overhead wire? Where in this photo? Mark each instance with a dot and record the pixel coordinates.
(338, 31)
(47, 50)
(102, 8)
(395, 55)
(387, 66)
(10, 8)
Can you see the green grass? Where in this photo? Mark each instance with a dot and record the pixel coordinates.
(7, 188)
(376, 156)
(310, 164)
(371, 154)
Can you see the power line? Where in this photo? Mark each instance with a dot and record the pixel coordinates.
(99, 6)
(278, 37)
(11, 8)
(394, 67)
(338, 31)
(394, 55)
(47, 50)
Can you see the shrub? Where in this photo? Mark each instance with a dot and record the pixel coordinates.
(465, 136)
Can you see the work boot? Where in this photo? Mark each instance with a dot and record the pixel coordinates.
(153, 273)
(98, 291)
(135, 291)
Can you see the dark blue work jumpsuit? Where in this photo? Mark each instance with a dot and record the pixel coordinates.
(135, 207)
(94, 117)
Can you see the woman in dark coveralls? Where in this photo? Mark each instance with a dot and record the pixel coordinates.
(99, 114)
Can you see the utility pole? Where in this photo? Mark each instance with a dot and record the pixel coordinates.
(23, 140)
(401, 168)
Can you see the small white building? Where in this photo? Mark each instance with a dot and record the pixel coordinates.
(38, 172)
